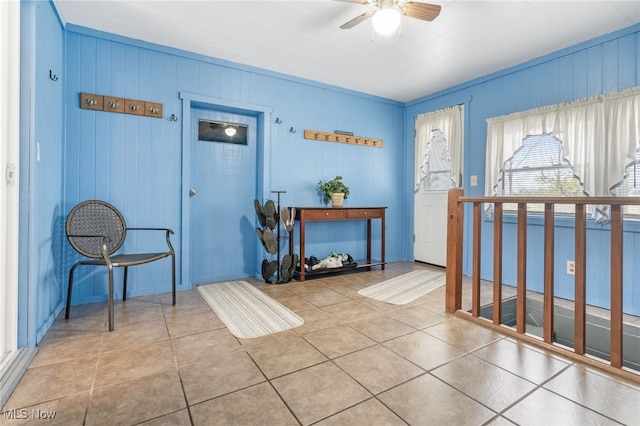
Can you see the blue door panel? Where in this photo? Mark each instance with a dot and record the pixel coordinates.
(222, 238)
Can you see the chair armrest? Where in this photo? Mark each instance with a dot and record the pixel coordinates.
(167, 230)
(151, 229)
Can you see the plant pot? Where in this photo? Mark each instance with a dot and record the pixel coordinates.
(336, 199)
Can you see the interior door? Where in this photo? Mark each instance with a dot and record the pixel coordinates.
(222, 235)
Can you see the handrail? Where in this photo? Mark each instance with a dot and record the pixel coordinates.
(551, 200)
(453, 302)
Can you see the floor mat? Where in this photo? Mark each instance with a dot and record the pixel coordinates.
(246, 310)
(406, 287)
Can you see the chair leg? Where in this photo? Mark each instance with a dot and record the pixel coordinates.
(124, 287)
(69, 289)
(110, 270)
(173, 272)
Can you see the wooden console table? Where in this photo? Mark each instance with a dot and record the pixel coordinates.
(317, 214)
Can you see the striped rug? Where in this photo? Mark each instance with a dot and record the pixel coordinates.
(246, 310)
(405, 288)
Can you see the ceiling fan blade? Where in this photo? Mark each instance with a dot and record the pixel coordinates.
(355, 1)
(424, 11)
(355, 21)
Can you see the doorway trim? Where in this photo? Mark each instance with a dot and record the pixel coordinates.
(263, 161)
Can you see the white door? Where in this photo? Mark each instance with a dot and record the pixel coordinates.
(438, 173)
(430, 225)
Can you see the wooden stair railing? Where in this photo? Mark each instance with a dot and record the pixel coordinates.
(453, 302)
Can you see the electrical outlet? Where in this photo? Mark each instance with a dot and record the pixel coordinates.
(571, 267)
(474, 180)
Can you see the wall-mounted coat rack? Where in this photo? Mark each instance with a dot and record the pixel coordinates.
(342, 138)
(121, 105)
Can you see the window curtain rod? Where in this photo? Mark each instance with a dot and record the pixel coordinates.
(634, 91)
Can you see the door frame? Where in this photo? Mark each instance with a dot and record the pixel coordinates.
(263, 162)
(10, 191)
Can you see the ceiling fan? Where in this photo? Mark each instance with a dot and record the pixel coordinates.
(393, 9)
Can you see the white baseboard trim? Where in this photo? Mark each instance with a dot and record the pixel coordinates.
(13, 370)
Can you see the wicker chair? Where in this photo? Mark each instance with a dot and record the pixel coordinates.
(97, 230)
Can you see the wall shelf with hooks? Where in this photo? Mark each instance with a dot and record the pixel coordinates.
(121, 105)
(342, 138)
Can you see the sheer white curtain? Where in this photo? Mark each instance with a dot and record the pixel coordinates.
(449, 122)
(599, 138)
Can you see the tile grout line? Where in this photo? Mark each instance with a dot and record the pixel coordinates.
(175, 362)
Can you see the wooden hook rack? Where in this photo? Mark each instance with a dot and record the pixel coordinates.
(340, 138)
(121, 105)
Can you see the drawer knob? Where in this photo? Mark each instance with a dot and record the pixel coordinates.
(365, 213)
(326, 214)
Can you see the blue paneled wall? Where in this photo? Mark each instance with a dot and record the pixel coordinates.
(41, 274)
(607, 64)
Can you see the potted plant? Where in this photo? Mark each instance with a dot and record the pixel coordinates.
(334, 190)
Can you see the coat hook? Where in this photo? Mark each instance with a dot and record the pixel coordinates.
(278, 121)
(52, 76)
(172, 117)
(292, 130)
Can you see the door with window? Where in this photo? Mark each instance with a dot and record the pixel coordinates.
(438, 164)
(222, 189)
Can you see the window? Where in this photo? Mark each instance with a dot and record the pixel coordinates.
(213, 131)
(630, 187)
(538, 168)
(438, 149)
(588, 147)
(438, 167)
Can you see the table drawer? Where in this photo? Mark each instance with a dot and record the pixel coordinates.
(364, 213)
(329, 214)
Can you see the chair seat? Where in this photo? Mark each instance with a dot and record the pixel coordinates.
(122, 260)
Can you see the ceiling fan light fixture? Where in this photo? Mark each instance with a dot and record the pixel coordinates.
(386, 21)
(230, 131)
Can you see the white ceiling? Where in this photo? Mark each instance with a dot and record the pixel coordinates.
(469, 39)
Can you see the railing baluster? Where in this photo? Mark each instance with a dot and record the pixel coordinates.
(455, 236)
(616, 286)
(521, 290)
(548, 272)
(580, 281)
(477, 249)
(497, 263)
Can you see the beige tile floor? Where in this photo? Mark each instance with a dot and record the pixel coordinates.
(355, 361)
